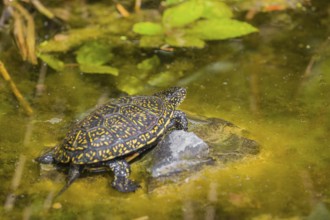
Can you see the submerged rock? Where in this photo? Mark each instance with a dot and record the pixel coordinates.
(209, 141)
(227, 141)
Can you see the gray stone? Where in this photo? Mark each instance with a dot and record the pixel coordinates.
(179, 151)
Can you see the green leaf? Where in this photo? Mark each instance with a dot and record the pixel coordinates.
(219, 29)
(183, 14)
(148, 28)
(172, 2)
(185, 41)
(73, 38)
(151, 41)
(216, 9)
(131, 84)
(53, 62)
(163, 79)
(95, 69)
(149, 64)
(94, 53)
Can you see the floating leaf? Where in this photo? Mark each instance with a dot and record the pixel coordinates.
(183, 14)
(219, 29)
(149, 64)
(185, 41)
(131, 84)
(95, 69)
(163, 79)
(94, 53)
(75, 37)
(216, 9)
(151, 41)
(173, 2)
(148, 28)
(53, 62)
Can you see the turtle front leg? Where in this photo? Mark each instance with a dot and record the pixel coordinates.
(179, 121)
(121, 170)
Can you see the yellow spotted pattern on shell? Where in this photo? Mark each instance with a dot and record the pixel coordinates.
(115, 129)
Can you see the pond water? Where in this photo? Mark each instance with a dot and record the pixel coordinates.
(275, 84)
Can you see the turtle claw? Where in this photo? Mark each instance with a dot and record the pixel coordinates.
(123, 184)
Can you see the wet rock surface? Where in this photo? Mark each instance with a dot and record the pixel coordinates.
(179, 151)
(209, 141)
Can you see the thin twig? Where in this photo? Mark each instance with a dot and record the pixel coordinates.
(255, 93)
(309, 69)
(42, 9)
(49, 200)
(40, 87)
(19, 34)
(27, 213)
(212, 197)
(17, 93)
(137, 6)
(10, 201)
(122, 10)
(28, 131)
(18, 173)
(30, 32)
(142, 218)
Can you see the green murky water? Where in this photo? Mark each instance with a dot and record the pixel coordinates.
(275, 84)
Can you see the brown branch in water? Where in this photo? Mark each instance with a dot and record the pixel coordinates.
(309, 69)
(27, 212)
(29, 33)
(28, 131)
(122, 10)
(10, 201)
(42, 9)
(40, 87)
(212, 197)
(49, 199)
(48, 202)
(17, 93)
(137, 6)
(255, 93)
(24, 30)
(19, 30)
(142, 218)
(24, 27)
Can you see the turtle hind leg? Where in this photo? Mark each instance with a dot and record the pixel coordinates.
(121, 170)
(74, 173)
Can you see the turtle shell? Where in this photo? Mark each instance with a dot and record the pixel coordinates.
(115, 129)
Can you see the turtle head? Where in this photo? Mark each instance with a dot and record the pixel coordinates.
(173, 95)
(47, 157)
